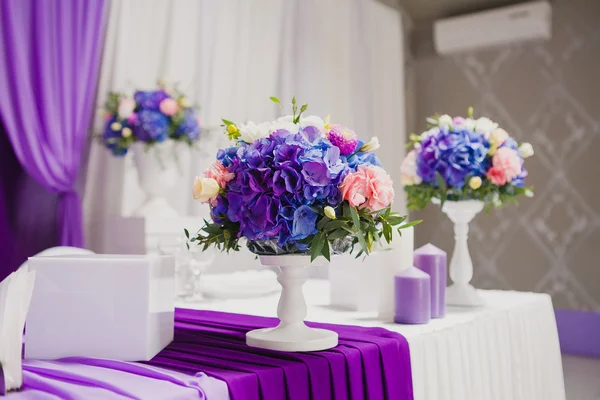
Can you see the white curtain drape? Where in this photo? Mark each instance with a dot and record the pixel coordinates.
(342, 57)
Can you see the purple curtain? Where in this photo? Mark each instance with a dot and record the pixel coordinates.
(49, 60)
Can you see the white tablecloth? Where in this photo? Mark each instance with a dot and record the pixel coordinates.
(505, 350)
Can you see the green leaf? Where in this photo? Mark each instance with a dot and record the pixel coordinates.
(275, 100)
(395, 220)
(226, 122)
(362, 241)
(326, 250)
(322, 223)
(409, 224)
(334, 224)
(359, 254)
(338, 234)
(440, 180)
(187, 234)
(355, 219)
(316, 246)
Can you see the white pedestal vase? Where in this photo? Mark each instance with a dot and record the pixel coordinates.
(291, 334)
(159, 169)
(461, 292)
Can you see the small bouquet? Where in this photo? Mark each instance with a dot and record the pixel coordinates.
(149, 116)
(464, 159)
(296, 185)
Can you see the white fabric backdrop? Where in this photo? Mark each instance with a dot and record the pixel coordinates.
(342, 57)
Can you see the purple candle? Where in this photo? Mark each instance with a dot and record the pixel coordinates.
(432, 261)
(412, 297)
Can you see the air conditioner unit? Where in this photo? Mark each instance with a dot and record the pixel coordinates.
(519, 23)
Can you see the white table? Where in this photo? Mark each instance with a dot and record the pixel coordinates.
(505, 350)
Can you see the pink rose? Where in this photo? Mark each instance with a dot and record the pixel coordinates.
(496, 176)
(126, 107)
(219, 173)
(369, 187)
(507, 160)
(169, 107)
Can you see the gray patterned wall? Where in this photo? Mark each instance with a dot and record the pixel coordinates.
(547, 94)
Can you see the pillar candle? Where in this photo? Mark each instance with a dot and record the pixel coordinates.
(391, 260)
(412, 297)
(432, 261)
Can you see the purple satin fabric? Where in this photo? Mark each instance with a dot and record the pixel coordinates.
(49, 61)
(368, 363)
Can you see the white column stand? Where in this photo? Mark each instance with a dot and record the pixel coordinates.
(291, 334)
(461, 292)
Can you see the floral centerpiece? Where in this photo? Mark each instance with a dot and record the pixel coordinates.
(464, 159)
(464, 164)
(295, 189)
(157, 126)
(297, 185)
(150, 117)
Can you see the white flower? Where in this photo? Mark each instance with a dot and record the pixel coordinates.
(475, 182)
(432, 132)
(469, 124)
(205, 189)
(528, 193)
(445, 120)
(285, 124)
(485, 125)
(126, 107)
(498, 136)
(250, 131)
(408, 170)
(526, 150)
(126, 132)
(371, 145)
(311, 120)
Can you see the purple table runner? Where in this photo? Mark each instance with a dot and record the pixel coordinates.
(368, 363)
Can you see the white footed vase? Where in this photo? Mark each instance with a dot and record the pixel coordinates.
(159, 168)
(291, 334)
(461, 292)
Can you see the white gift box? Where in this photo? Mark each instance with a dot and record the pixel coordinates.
(108, 306)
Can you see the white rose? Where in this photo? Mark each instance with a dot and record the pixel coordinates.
(485, 125)
(445, 120)
(498, 136)
(205, 189)
(408, 170)
(250, 132)
(126, 107)
(526, 150)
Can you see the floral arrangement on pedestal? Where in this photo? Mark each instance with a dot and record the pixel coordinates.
(150, 117)
(464, 159)
(297, 185)
(464, 164)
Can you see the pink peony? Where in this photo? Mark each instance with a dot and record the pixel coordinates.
(169, 107)
(507, 160)
(369, 187)
(496, 176)
(219, 173)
